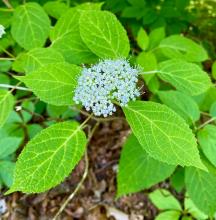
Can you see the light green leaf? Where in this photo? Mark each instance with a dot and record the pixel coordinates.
(164, 200)
(103, 34)
(6, 103)
(142, 39)
(207, 141)
(6, 172)
(182, 104)
(214, 70)
(8, 145)
(49, 157)
(163, 133)
(65, 37)
(193, 210)
(37, 58)
(55, 8)
(30, 26)
(54, 83)
(177, 46)
(156, 36)
(213, 109)
(201, 188)
(177, 179)
(169, 215)
(186, 77)
(144, 170)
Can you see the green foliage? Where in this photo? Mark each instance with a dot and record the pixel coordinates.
(6, 103)
(30, 26)
(49, 157)
(200, 186)
(144, 170)
(65, 37)
(186, 77)
(177, 46)
(61, 77)
(36, 58)
(182, 104)
(163, 139)
(103, 34)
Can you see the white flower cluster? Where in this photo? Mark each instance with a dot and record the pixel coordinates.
(2, 30)
(107, 81)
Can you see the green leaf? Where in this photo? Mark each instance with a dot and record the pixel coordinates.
(193, 210)
(156, 36)
(6, 172)
(144, 170)
(103, 34)
(65, 37)
(207, 141)
(163, 133)
(49, 157)
(214, 70)
(169, 215)
(177, 46)
(164, 200)
(37, 58)
(55, 8)
(54, 83)
(213, 109)
(8, 145)
(33, 129)
(201, 188)
(142, 39)
(182, 104)
(30, 26)
(177, 179)
(186, 77)
(6, 103)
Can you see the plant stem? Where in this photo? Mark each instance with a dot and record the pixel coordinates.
(6, 58)
(14, 87)
(7, 3)
(150, 72)
(206, 122)
(6, 9)
(71, 196)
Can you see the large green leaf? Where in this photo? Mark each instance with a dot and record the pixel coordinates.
(186, 77)
(182, 104)
(207, 141)
(201, 188)
(31, 26)
(54, 83)
(163, 133)
(65, 37)
(37, 58)
(49, 157)
(103, 34)
(177, 46)
(144, 170)
(6, 103)
(164, 200)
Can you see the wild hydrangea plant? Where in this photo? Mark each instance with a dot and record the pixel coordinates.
(165, 124)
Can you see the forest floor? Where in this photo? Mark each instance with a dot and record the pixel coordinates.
(96, 199)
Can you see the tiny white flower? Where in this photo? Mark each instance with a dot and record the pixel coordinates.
(2, 30)
(104, 82)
